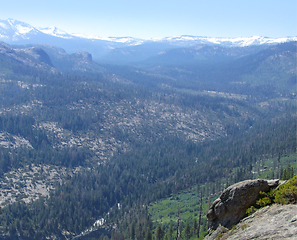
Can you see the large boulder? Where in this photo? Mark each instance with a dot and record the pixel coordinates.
(231, 206)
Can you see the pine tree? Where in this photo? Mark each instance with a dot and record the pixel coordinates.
(170, 232)
(285, 175)
(195, 226)
(159, 233)
(148, 234)
(133, 231)
(187, 231)
(200, 213)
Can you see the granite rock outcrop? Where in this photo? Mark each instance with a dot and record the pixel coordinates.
(231, 206)
(271, 222)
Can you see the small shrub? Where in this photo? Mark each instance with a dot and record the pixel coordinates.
(287, 193)
(251, 210)
(262, 202)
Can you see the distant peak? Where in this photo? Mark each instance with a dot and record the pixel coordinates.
(54, 31)
(13, 22)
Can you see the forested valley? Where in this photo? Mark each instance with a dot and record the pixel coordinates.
(86, 154)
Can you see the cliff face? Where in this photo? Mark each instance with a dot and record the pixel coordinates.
(271, 222)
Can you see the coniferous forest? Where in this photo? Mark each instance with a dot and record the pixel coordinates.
(100, 148)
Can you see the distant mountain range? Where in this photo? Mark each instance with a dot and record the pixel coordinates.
(207, 64)
(117, 49)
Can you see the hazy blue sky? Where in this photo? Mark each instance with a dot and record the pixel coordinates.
(159, 18)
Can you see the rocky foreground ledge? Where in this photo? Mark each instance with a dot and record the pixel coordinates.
(271, 222)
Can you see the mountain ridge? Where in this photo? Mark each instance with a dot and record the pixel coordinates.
(17, 32)
(24, 28)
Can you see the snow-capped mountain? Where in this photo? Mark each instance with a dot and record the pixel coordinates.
(13, 30)
(227, 42)
(53, 31)
(20, 33)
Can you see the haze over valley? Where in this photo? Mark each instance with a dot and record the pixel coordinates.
(117, 138)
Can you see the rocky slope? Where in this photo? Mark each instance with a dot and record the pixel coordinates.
(271, 222)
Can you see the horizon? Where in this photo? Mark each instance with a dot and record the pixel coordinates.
(159, 19)
(147, 39)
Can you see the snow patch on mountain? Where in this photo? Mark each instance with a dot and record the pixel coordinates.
(3, 37)
(247, 41)
(3, 25)
(21, 28)
(79, 35)
(129, 40)
(135, 41)
(55, 32)
(238, 42)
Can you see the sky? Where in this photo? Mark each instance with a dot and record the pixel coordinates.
(159, 18)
